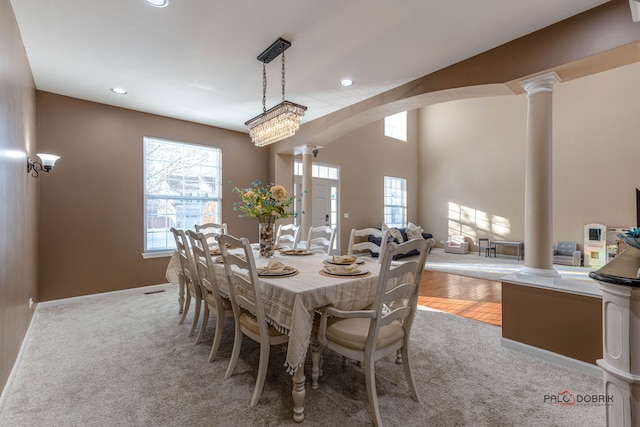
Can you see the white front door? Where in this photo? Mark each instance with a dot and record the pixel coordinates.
(321, 202)
(325, 204)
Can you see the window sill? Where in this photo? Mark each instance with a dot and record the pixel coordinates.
(158, 254)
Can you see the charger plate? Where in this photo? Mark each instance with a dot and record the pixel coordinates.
(289, 272)
(295, 252)
(358, 274)
(331, 261)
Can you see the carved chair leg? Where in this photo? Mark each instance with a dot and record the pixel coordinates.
(315, 364)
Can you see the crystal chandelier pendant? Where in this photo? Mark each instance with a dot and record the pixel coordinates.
(281, 121)
(278, 123)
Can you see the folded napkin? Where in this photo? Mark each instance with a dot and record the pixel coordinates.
(343, 259)
(342, 269)
(275, 267)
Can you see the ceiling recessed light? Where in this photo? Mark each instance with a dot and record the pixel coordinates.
(118, 90)
(346, 82)
(158, 3)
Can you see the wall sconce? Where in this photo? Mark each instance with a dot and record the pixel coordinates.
(46, 164)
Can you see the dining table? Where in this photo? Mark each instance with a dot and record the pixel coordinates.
(291, 301)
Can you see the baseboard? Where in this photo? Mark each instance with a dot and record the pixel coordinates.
(63, 301)
(559, 359)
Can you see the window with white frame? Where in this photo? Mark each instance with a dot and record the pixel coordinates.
(182, 187)
(395, 126)
(395, 201)
(318, 171)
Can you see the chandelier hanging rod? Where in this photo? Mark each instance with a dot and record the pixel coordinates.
(273, 51)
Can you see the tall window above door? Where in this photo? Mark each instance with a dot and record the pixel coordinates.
(182, 187)
(395, 201)
(395, 126)
(318, 170)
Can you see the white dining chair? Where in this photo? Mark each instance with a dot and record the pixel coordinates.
(190, 277)
(321, 239)
(214, 302)
(211, 230)
(287, 236)
(360, 245)
(248, 310)
(374, 333)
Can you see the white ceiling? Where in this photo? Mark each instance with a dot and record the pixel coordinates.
(196, 59)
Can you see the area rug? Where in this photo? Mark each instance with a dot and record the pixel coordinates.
(122, 359)
(481, 267)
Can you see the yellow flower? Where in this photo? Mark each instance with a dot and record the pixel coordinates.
(279, 193)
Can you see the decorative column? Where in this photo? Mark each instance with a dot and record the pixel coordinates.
(619, 281)
(538, 220)
(307, 191)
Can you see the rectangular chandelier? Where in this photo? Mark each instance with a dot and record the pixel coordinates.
(278, 123)
(281, 121)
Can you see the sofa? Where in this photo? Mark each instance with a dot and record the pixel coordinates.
(567, 253)
(405, 237)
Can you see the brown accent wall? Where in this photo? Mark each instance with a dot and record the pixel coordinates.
(560, 322)
(18, 191)
(91, 217)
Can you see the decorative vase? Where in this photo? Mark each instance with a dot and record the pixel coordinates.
(267, 239)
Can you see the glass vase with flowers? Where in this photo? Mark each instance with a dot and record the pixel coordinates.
(266, 204)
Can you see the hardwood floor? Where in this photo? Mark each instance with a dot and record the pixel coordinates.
(476, 299)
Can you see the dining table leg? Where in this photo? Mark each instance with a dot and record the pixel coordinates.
(298, 394)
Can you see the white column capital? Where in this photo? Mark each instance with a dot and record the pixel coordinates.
(540, 83)
(305, 149)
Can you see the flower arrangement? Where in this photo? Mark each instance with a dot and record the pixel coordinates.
(267, 204)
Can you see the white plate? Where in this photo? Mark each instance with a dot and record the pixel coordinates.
(331, 261)
(355, 273)
(295, 252)
(288, 272)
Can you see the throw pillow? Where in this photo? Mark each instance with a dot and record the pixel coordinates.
(396, 235)
(414, 231)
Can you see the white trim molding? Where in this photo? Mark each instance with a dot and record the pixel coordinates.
(158, 254)
(142, 289)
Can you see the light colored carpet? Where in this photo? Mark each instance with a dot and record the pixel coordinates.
(123, 360)
(481, 267)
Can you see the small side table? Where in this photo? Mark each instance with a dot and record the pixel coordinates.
(519, 246)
